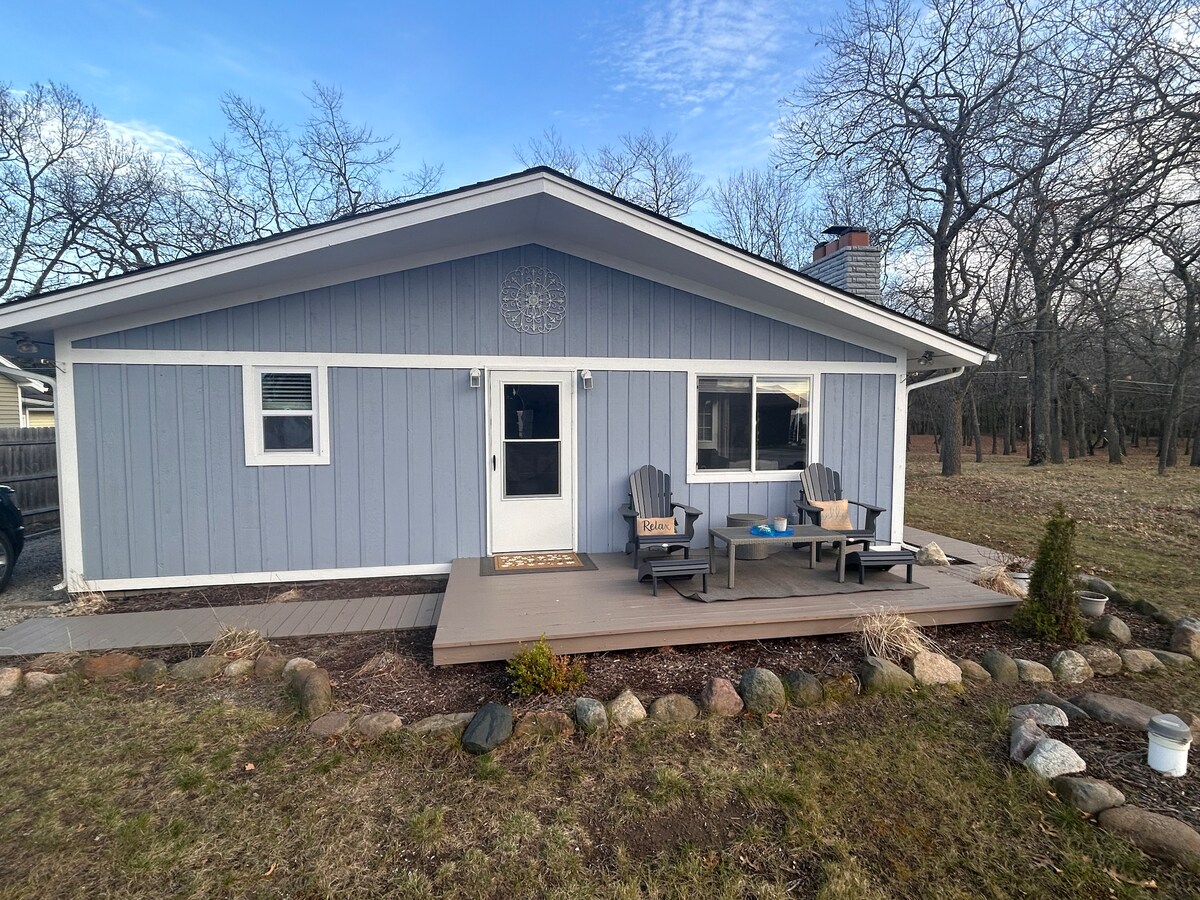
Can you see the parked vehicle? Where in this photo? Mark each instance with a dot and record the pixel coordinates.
(12, 533)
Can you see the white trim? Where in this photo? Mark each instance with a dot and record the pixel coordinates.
(465, 361)
(179, 581)
(899, 454)
(66, 437)
(767, 369)
(538, 222)
(252, 412)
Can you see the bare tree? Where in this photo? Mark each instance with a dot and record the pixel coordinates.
(646, 169)
(549, 150)
(764, 213)
(262, 178)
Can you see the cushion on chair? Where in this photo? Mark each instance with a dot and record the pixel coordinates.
(663, 526)
(835, 514)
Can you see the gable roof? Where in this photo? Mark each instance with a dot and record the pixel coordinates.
(538, 205)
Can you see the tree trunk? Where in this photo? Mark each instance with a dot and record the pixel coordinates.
(1111, 430)
(975, 436)
(1072, 425)
(1195, 460)
(952, 430)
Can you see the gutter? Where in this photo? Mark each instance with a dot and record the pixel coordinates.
(936, 379)
(30, 376)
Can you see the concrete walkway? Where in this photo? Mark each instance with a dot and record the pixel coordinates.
(174, 627)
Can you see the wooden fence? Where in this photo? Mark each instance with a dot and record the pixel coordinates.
(29, 465)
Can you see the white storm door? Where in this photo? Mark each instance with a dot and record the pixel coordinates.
(531, 461)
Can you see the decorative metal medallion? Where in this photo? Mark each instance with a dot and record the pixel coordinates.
(533, 300)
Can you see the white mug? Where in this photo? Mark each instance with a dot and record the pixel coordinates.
(781, 523)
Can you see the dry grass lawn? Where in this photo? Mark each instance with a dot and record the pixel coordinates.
(132, 791)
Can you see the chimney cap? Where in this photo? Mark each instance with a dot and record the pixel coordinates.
(840, 230)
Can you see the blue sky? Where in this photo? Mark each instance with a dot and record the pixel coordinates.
(458, 83)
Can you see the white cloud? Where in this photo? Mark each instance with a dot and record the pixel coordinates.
(151, 139)
(699, 53)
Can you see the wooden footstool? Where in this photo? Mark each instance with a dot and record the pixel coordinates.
(880, 559)
(669, 567)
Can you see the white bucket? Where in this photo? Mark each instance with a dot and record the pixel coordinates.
(1168, 756)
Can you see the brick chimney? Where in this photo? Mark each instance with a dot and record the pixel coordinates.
(848, 261)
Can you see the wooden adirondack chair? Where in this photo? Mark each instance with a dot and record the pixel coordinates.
(818, 482)
(650, 497)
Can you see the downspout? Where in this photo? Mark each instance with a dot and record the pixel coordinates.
(936, 379)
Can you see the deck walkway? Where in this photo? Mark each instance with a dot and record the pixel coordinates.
(174, 627)
(488, 617)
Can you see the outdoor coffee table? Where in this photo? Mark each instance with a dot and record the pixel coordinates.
(801, 534)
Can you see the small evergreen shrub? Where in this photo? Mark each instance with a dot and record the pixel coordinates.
(1051, 611)
(539, 670)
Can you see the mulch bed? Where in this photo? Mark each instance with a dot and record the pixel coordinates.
(277, 592)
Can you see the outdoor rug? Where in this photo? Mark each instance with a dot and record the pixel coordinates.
(534, 563)
(787, 575)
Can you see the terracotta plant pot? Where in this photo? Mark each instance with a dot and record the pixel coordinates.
(1092, 604)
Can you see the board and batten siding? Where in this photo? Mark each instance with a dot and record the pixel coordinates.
(454, 308)
(165, 490)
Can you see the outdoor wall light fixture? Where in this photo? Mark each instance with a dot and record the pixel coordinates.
(926, 358)
(476, 376)
(585, 375)
(25, 344)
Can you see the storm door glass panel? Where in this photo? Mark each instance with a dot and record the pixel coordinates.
(532, 444)
(782, 423)
(723, 422)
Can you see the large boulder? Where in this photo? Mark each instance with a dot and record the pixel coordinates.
(1100, 586)
(314, 692)
(151, 671)
(1103, 660)
(293, 667)
(377, 724)
(1041, 714)
(442, 723)
(1051, 758)
(550, 724)
(1111, 629)
(1116, 710)
(802, 688)
(1173, 660)
(198, 668)
(932, 555)
(491, 727)
(1089, 795)
(882, 676)
(1001, 666)
(1049, 698)
(1022, 738)
(1070, 667)
(625, 709)
(1185, 638)
(933, 668)
(762, 691)
(972, 671)
(590, 715)
(1157, 835)
(1138, 662)
(10, 681)
(840, 688)
(239, 668)
(108, 665)
(1033, 672)
(329, 725)
(719, 697)
(36, 682)
(269, 665)
(673, 708)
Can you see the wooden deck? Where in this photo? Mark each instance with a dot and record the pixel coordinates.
(487, 618)
(176, 627)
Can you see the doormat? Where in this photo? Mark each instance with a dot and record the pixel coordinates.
(533, 563)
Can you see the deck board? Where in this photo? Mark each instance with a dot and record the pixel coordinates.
(486, 617)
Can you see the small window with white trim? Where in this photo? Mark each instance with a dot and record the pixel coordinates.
(751, 425)
(286, 415)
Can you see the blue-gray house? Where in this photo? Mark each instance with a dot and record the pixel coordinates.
(465, 374)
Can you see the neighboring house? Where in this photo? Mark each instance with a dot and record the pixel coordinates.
(24, 401)
(468, 373)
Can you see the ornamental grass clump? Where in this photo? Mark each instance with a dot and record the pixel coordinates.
(889, 635)
(539, 670)
(1051, 611)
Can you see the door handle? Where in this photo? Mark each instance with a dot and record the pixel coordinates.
(493, 462)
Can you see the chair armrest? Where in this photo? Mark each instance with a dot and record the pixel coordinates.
(627, 512)
(814, 512)
(878, 510)
(690, 515)
(687, 510)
